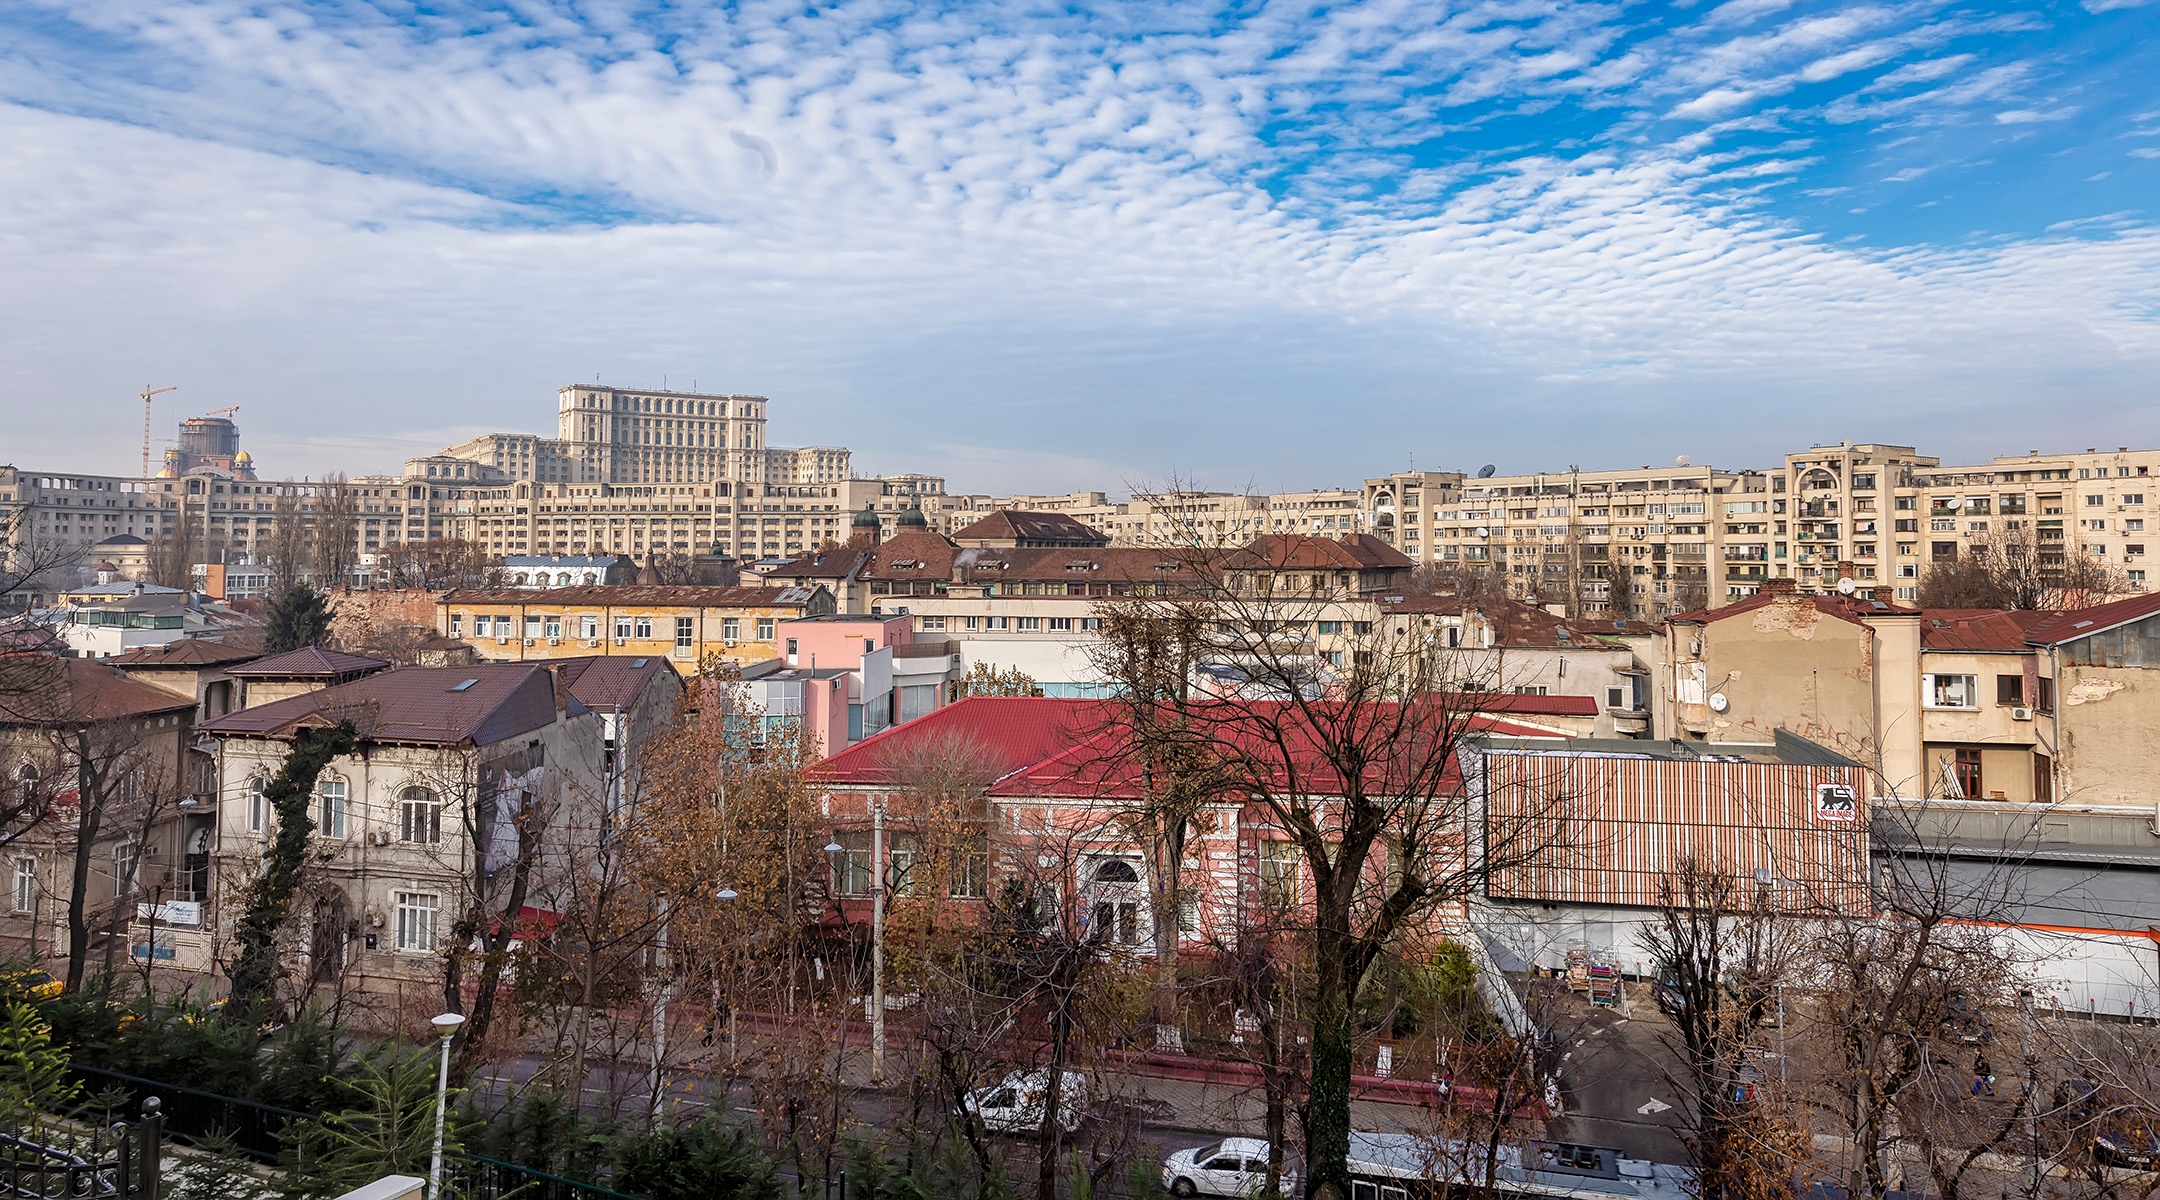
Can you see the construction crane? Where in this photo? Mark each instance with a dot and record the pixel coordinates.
(148, 392)
(219, 412)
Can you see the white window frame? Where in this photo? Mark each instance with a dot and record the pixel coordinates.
(333, 807)
(417, 916)
(24, 882)
(410, 800)
(1933, 685)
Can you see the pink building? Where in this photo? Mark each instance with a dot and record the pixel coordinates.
(856, 675)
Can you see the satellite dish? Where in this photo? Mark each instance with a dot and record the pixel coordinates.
(1847, 587)
(1680, 461)
(1486, 471)
(1484, 532)
(1718, 702)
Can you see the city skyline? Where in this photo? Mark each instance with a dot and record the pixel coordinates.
(1036, 251)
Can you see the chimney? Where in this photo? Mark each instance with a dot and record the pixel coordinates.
(1777, 587)
(1884, 594)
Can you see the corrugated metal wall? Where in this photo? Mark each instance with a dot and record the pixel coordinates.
(1606, 827)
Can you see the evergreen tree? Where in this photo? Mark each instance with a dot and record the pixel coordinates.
(269, 901)
(298, 617)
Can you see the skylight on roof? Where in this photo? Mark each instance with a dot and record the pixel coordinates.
(637, 664)
(462, 684)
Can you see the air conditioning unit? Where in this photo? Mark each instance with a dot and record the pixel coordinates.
(620, 641)
(589, 642)
(502, 639)
(729, 643)
(2021, 714)
(528, 641)
(380, 837)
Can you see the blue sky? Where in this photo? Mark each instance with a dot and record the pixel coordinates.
(1041, 247)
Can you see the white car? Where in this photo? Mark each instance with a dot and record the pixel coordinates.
(1231, 1167)
(1015, 1104)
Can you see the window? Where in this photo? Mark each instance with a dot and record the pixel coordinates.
(1942, 550)
(416, 913)
(644, 627)
(2094, 501)
(933, 624)
(258, 804)
(482, 626)
(997, 622)
(2044, 694)
(1617, 697)
(971, 871)
(1278, 874)
(765, 629)
(685, 633)
(532, 625)
(1031, 624)
(2133, 497)
(1060, 624)
(731, 628)
(622, 627)
(457, 625)
(793, 647)
(2134, 548)
(1966, 767)
(127, 858)
(2010, 690)
(419, 816)
(1327, 627)
(1949, 691)
(1531, 689)
(588, 627)
(330, 808)
(25, 878)
(1090, 624)
(851, 867)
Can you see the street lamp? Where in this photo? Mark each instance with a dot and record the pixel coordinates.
(446, 1025)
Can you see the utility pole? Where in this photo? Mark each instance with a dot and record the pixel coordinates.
(877, 943)
(145, 395)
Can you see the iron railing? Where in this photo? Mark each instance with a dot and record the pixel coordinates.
(120, 1162)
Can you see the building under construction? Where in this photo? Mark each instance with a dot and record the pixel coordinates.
(208, 444)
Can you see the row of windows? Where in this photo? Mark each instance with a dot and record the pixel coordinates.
(1963, 691)
(551, 625)
(419, 811)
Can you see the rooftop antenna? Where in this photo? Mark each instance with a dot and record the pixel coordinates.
(146, 393)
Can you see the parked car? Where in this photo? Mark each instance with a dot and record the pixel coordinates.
(1965, 1021)
(32, 985)
(1231, 1167)
(2117, 1126)
(1670, 999)
(1015, 1103)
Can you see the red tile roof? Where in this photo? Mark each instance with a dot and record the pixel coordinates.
(2085, 622)
(1058, 747)
(1013, 732)
(1291, 551)
(1979, 630)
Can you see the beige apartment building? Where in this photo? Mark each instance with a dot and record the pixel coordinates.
(1204, 518)
(1683, 537)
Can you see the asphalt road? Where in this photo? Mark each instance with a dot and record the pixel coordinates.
(1616, 1071)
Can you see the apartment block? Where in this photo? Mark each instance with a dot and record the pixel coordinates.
(690, 625)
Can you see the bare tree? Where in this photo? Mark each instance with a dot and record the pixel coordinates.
(337, 531)
(289, 552)
(26, 557)
(2013, 568)
(1721, 948)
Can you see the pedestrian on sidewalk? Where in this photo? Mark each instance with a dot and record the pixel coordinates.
(1983, 1075)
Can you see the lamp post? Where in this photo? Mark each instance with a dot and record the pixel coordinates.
(877, 941)
(446, 1025)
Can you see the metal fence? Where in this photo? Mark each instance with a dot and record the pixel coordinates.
(270, 1134)
(119, 1162)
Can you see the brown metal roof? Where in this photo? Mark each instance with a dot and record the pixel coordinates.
(1021, 526)
(308, 662)
(637, 595)
(187, 652)
(424, 705)
(44, 689)
(603, 682)
(2085, 622)
(1981, 630)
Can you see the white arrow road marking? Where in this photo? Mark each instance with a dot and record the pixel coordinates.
(1653, 1107)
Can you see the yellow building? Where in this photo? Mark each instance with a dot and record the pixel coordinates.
(688, 625)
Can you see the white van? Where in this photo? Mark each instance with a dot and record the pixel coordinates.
(1015, 1104)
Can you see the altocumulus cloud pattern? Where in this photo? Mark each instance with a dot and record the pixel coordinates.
(1041, 246)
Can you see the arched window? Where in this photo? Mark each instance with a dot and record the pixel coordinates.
(26, 782)
(562, 579)
(1117, 870)
(419, 816)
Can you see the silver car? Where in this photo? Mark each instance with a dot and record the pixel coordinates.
(1231, 1167)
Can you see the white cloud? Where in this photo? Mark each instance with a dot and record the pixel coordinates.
(1907, 175)
(1036, 250)
(2028, 116)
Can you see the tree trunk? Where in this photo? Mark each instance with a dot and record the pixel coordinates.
(495, 947)
(90, 813)
(1327, 1092)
